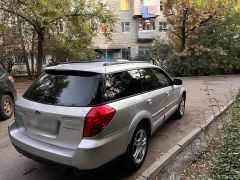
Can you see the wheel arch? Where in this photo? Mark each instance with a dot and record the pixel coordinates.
(141, 117)
(184, 94)
(10, 94)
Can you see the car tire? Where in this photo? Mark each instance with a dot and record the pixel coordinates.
(137, 149)
(181, 108)
(6, 107)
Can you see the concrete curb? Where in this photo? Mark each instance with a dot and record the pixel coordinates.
(151, 172)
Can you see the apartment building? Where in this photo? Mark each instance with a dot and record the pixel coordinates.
(139, 23)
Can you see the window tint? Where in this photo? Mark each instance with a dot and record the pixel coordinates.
(162, 78)
(67, 89)
(149, 80)
(2, 71)
(122, 84)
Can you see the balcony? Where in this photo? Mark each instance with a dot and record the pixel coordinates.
(150, 8)
(147, 35)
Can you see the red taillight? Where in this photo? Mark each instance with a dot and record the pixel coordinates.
(97, 120)
(11, 78)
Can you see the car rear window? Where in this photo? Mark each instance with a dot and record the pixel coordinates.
(67, 88)
(2, 71)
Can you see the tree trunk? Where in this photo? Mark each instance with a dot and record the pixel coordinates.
(40, 52)
(32, 54)
(183, 31)
(183, 45)
(25, 55)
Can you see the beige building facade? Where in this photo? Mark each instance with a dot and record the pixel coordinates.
(139, 23)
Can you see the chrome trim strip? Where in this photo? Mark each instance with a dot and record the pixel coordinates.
(155, 114)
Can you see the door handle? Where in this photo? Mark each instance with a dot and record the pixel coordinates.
(168, 93)
(149, 101)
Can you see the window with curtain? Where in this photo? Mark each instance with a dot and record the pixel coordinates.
(105, 27)
(124, 4)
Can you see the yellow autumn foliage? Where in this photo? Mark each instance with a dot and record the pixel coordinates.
(186, 16)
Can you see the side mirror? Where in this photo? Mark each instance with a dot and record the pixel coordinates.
(177, 82)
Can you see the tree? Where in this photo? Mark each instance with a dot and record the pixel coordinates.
(44, 15)
(9, 46)
(161, 51)
(71, 44)
(186, 16)
(213, 48)
(221, 37)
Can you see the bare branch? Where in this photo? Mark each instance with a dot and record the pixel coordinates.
(19, 15)
(206, 20)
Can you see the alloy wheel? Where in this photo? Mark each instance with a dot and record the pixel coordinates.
(7, 107)
(140, 146)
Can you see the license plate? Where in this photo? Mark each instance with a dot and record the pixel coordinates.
(42, 125)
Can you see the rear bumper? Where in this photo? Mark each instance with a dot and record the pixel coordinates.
(90, 154)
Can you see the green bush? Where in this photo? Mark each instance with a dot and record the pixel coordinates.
(208, 63)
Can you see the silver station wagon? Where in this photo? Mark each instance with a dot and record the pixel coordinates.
(84, 115)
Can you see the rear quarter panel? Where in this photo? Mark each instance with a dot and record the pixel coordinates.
(129, 113)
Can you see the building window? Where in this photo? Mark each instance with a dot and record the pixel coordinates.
(105, 27)
(141, 2)
(124, 4)
(126, 54)
(103, 4)
(161, 5)
(162, 26)
(94, 24)
(20, 60)
(146, 24)
(144, 50)
(125, 26)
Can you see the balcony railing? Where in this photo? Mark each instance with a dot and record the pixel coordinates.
(147, 35)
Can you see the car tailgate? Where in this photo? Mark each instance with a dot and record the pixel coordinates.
(56, 125)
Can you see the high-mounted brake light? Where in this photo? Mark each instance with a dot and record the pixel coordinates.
(97, 120)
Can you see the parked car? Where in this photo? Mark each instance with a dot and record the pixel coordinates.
(84, 115)
(7, 94)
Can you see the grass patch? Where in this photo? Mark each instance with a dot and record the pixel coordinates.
(225, 164)
(219, 157)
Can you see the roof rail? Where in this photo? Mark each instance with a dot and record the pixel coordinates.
(108, 63)
(122, 62)
(72, 62)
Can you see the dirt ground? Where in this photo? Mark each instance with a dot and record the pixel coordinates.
(187, 165)
(15, 166)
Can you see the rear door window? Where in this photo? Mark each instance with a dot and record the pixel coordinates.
(61, 88)
(122, 84)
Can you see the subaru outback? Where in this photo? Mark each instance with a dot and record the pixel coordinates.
(84, 115)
